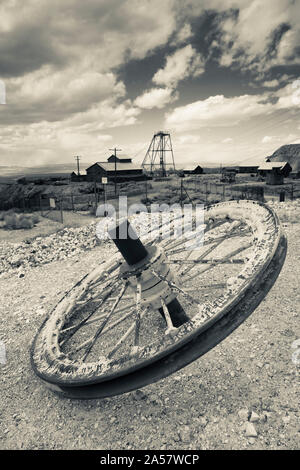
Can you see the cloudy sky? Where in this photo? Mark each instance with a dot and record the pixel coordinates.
(223, 77)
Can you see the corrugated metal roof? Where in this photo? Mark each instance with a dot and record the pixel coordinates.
(250, 165)
(120, 166)
(189, 166)
(270, 165)
(120, 158)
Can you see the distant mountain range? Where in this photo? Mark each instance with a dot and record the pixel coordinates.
(61, 169)
(288, 153)
(58, 169)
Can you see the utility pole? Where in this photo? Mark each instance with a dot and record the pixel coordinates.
(77, 158)
(115, 154)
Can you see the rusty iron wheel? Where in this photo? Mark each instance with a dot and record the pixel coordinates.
(124, 325)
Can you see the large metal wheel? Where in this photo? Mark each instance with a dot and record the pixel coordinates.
(160, 303)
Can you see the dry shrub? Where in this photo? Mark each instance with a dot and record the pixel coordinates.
(13, 221)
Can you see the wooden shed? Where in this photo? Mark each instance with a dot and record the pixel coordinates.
(274, 172)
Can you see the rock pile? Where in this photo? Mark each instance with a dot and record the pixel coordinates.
(63, 244)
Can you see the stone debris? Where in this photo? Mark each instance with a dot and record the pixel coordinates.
(139, 395)
(250, 430)
(203, 421)
(286, 419)
(254, 417)
(185, 434)
(243, 414)
(65, 243)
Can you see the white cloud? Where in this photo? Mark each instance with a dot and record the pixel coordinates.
(188, 139)
(185, 62)
(220, 111)
(226, 60)
(105, 115)
(248, 39)
(228, 140)
(287, 46)
(51, 95)
(271, 83)
(183, 34)
(216, 111)
(289, 96)
(267, 138)
(155, 98)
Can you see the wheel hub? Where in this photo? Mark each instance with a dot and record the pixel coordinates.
(148, 267)
(153, 289)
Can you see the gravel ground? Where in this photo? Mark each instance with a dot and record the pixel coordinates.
(244, 394)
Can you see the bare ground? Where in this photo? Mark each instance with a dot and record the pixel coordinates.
(204, 406)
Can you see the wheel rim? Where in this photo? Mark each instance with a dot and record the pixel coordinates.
(51, 358)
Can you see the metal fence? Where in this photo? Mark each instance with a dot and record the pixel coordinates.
(290, 191)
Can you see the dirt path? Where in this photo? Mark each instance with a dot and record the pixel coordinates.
(204, 406)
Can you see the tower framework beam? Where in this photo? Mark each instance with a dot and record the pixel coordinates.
(156, 155)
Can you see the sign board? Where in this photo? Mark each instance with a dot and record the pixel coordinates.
(104, 180)
(52, 202)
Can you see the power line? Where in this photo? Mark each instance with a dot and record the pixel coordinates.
(115, 153)
(77, 158)
(253, 156)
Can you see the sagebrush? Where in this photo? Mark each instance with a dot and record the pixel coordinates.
(15, 221)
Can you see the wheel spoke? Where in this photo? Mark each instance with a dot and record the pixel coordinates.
(175, 288)
(106, 275)
(84, 322)
(105, 330)
(207, 268)
(170, 327)
(73, 329)
(205, 231)
(125, 336)
(208, 286)
(206, 241)
(100, 329)
(207, 261)
(158, 227)
(125, 297)
(209, 250)
(138, 315)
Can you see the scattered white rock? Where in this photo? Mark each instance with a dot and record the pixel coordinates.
(139, 395)
(250, 430)
(57, 246)
(203, 421)
(243, 414)
(254, 417)
(185, 434)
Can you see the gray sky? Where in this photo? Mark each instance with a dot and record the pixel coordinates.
(81, 77)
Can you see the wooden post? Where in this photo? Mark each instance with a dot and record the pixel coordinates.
(146, 191)
(95, 193)
(61, 210)
(181, 187)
